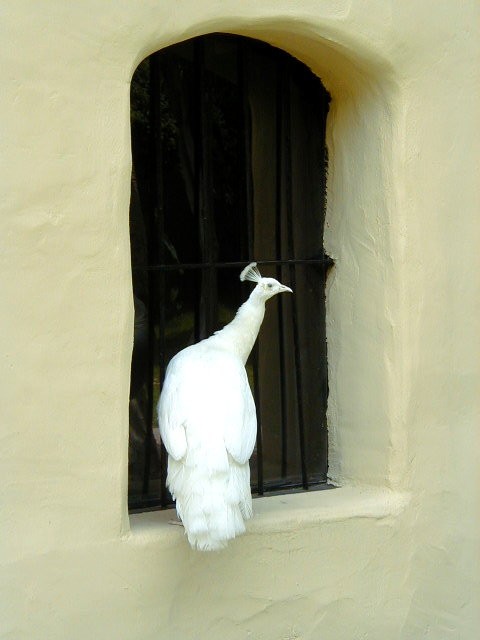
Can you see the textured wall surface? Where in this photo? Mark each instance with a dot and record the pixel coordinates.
(394, 551)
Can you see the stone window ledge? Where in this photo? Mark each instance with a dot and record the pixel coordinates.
(284, 513)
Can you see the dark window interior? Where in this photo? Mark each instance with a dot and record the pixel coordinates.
(229, 163)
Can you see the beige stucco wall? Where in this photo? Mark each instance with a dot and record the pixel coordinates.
(392, 553)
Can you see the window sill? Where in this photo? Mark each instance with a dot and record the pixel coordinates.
(284, 513)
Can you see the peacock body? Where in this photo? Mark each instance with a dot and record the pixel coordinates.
(208, 424)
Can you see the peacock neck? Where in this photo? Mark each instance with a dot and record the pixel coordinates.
(240, 334)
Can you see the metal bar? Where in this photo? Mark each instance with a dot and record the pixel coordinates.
(256, 394)
(197, 173)
(249, 208)
(292, 267)
(247, 138)
(327, 261)
(149, 414)
(152, 249)
(279, 166)
(203, 143)
(161, 283)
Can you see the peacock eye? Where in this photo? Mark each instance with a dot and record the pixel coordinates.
(270, 285)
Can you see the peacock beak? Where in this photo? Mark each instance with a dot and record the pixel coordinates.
(284, 289)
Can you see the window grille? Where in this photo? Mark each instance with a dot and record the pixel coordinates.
(229, 166)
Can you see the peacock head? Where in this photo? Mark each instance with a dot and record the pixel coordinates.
(266, 287)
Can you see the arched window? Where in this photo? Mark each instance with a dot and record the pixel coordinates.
(229, 162)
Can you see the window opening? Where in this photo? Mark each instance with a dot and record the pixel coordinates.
(229, 163)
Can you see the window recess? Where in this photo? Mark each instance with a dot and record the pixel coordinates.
(229, 166)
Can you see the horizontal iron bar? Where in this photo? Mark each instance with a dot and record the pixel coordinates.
(327, 261)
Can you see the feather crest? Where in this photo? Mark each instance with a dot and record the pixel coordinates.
(251, 273)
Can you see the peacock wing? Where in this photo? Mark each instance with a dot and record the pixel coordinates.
(171, 414)
(239, 414)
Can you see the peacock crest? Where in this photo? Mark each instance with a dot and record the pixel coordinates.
(251, 273)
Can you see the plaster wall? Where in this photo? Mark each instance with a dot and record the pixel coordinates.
(394, 551)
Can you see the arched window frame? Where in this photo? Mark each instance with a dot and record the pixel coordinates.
(285, 265)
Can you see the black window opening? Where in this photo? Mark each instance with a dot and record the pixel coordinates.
(229, 166)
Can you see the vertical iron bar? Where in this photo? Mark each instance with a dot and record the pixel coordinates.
(160, 228)
(247, 140)
(279, 165)
(292, 269)
(204, 213)
(249, 207)
(197, 173)
(152, 248)
(256, 395)
(326, 265)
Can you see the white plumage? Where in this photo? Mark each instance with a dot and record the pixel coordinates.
(208, 424)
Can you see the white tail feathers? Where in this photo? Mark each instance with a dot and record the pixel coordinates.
(212, 507)
(251, 273)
